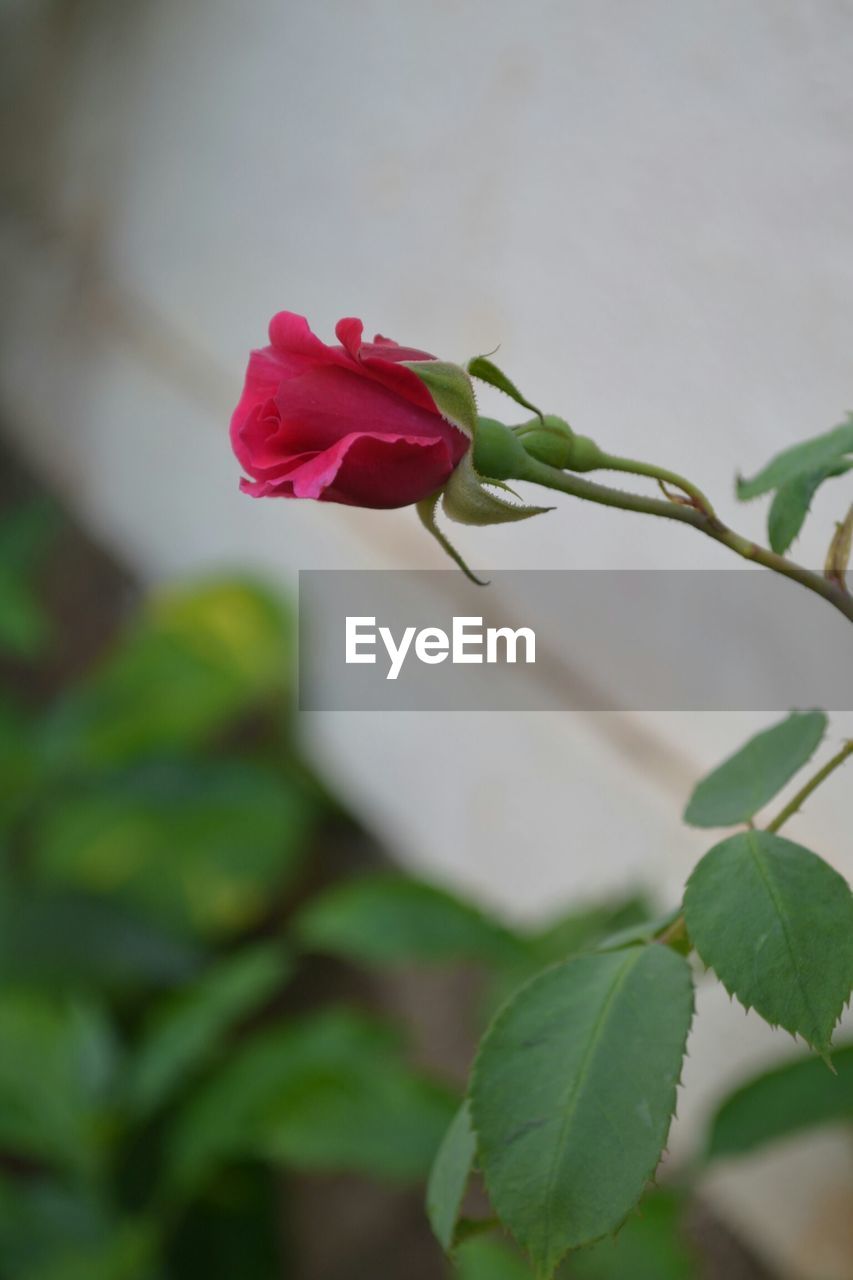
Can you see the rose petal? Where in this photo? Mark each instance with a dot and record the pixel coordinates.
(348, 333)
(375, 471)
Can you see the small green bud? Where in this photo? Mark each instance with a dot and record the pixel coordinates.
(549, 440)
(557, 445)
(586, 455)
(498, 451)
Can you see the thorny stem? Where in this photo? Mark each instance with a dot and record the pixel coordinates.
(796, 803)
(701, 518)
(697, 499)
(699, 513)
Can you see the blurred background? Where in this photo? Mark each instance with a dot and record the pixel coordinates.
(202, 1053)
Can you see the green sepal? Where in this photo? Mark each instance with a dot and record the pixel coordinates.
(467, 500)
(465, 497)
(452, 391)
(483, 369)
(427, 509)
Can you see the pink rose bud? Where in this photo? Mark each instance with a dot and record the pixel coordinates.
(346, 423)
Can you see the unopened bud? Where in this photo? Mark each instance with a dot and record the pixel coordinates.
(549, 440)
(498, 452)
(552, 441)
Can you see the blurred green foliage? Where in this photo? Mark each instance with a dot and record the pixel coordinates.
(156, 831)
(158, 1067)
(651, 1246)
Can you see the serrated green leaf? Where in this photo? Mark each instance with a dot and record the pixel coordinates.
(821, 451)
(797, 1095)
(792, 502)
(573, 1092)
(187, 1031)
(650, 1246)
(748, 780)
(483, 369)
(329, 1091)
(578, 929)
(449, 1176)
(775, 923)
(390, 919)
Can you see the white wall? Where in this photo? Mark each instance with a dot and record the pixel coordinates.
(647, 206)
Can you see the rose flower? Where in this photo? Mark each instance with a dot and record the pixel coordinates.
(346, 423)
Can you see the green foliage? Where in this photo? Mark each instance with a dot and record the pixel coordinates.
(329, 1091)
(449, 1176)
(601, 1034)
(796, 474)
(74, 941)
(775, 922)
(185, 1032)
(196, 660)
(646, 931)
(58, 1059)
(582, 929)
(792, 502)
(749, 779)
(201, 845)
(566, 934)
(17, 763)
(389, 919)
(486, 1259)
(48, 1232)
(25, 534)
(798, 1095)
(826, 450)
(650, 1246)
(152, 813)
(153, 1075)
(233, 1231)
